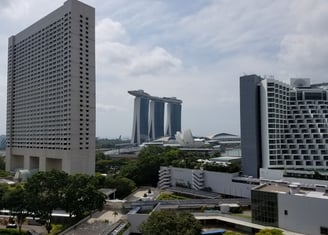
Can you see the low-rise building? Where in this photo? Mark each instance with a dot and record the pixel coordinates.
(218, 182)
(292, 207)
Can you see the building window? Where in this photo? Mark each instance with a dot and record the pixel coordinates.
(323, 231)
(286, 212)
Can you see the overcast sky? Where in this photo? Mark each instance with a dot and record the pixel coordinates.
(193, 50)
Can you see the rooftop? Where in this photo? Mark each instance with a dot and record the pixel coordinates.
(295, 189)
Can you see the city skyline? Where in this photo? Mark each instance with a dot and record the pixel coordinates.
(196, 51)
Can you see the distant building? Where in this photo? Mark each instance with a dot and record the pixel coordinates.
(51, 92)
(148, 117)
(156, 119)
(140, 119)
(283, 126)
(173, 123)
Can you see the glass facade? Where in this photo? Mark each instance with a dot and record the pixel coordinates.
(158, 121)
(174, 119)
(143, 121)
(264, 208)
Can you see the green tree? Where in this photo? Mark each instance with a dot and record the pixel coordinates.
(103, 166)
(81, 195)
(144, 171)
(45, 191)
(15, 200)
(3, 190)
(270, 232)
(232, 233)
(123, 185)
(2, 163)
(170, 222)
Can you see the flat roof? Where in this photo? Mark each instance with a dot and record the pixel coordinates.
(296, 188)
(107, 191)
(274, 188)
(241, 222)
(193, 192)
(225, 158)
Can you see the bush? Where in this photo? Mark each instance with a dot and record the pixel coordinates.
(56, 228)
(10, 231)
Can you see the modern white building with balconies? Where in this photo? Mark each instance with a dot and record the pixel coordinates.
(290, 124)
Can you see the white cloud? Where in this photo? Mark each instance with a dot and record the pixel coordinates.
(109, 30)
(14, 9)
(304, 51)
(239, 25)
(155, 61)
(107, 108)
(117, 57)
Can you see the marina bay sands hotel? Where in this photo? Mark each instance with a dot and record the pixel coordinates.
(148, 116)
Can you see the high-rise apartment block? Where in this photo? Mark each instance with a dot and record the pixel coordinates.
(283, 126)
(148, 117)
(51, 92)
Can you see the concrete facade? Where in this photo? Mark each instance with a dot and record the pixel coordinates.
(302, 214)
(219, 182)
(291, 207)
(51, 92)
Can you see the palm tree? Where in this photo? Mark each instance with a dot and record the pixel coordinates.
(115, 214)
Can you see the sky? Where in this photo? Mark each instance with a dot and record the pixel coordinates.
(193, 50)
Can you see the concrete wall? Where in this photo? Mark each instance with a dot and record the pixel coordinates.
(222, 183)
(219, 182)
(181, 176)
(305, 214)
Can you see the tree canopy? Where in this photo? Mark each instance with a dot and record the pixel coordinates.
(144, 170)
(48, 191)
(167, 222)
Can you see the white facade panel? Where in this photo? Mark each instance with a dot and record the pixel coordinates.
(302, 214)
(219, 182)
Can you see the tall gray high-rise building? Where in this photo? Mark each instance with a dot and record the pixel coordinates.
(283, 126)
(51, 92)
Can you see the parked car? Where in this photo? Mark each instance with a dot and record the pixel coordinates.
(11, 226)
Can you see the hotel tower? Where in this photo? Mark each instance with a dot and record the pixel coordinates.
(51, 92)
